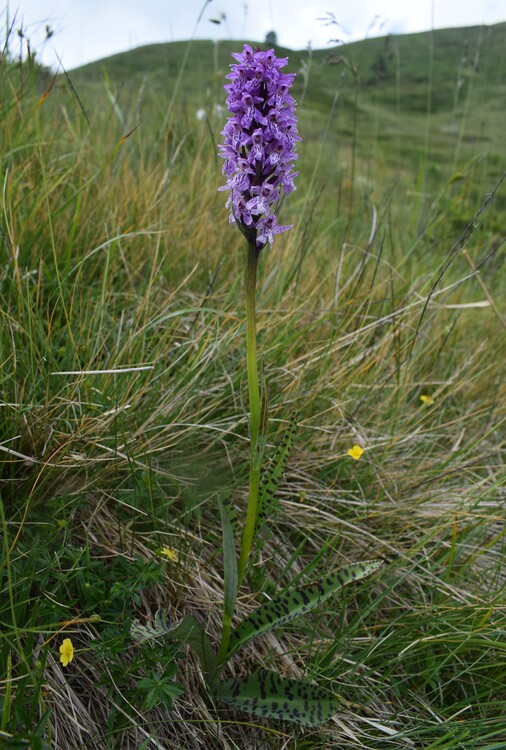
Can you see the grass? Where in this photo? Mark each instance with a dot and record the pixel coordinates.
(123, 412)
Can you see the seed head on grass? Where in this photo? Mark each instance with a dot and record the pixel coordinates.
(260, 142)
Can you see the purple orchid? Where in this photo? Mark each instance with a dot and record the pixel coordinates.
(260, 143)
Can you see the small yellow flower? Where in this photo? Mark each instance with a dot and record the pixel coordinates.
(66, 652)
(356, 452)
(427, 400)
(170, 554)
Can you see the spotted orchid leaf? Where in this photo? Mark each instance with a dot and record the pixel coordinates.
(294, 602)
(273, 474)
(267, 694)
(147, 631)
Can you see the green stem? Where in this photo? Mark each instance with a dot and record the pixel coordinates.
(254, 407)
(251, 344)
(225, 638)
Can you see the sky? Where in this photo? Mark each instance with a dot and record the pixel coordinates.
(87, 30)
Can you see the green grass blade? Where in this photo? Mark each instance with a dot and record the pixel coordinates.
(288, 606)
(267, 694)
(6, 709)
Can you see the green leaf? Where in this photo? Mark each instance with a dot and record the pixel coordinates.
(267, 694)
(160, 627)
(229, 562)
(289, 605)
(191, 633)
(231, 511)
(272, 476)
(187, 632)
(159, 689)
(230, 578)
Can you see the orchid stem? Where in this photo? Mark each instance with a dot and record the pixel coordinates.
(254, 407)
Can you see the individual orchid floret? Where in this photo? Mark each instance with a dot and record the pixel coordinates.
(267, 228)
(259, 146)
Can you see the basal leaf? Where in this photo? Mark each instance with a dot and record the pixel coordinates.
(289, 605)
(267, 694)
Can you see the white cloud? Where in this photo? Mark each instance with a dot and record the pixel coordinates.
(87, 30)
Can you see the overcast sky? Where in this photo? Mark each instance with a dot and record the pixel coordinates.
(86, 30)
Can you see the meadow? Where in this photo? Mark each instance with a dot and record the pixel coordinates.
(124, 405)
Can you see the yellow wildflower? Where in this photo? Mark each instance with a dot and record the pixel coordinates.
(170, 554)
(427, 400)
(66, 652)
(356, 452)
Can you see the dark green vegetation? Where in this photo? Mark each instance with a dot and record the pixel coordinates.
(122, 411)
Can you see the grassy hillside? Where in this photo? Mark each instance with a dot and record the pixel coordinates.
(124, 411)
(419, 111)
(387, 83)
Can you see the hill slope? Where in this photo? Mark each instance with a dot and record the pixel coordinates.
(379, 92)
(446, 58)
